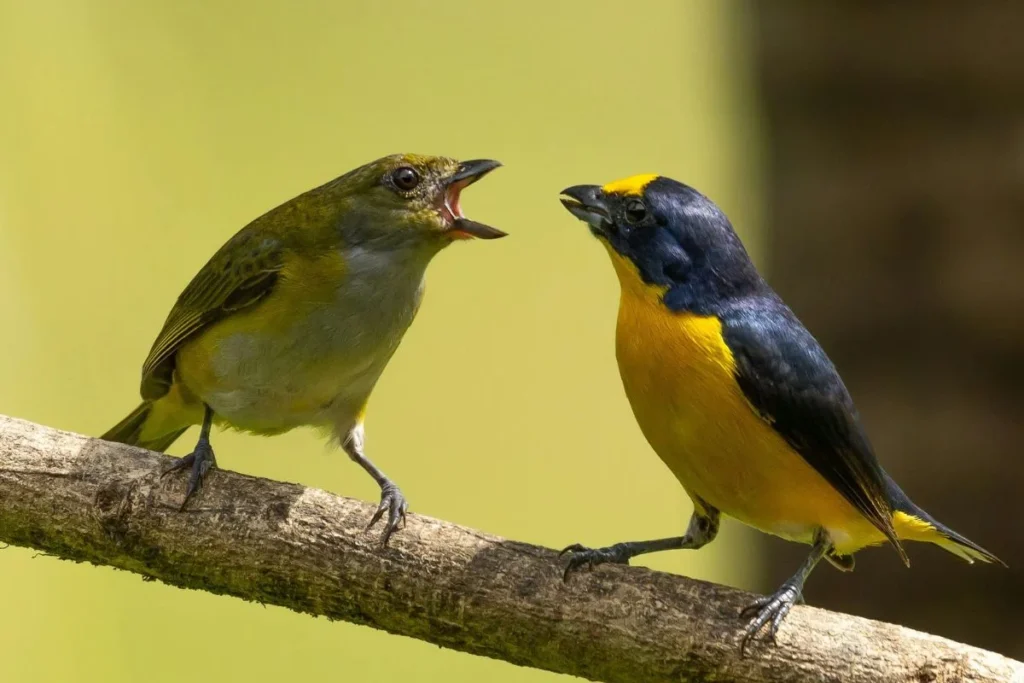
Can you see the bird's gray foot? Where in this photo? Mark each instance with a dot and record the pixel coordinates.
(199, 462)
(582, 556)
(770, 610)
(394, 504)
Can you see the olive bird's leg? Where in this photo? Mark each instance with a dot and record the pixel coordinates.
(774, 608)
(201, 459)
(391, 499)
(702, 530)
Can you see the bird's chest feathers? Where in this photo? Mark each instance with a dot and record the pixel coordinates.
(676, 368)
(678, 374)
(362, 315)
(314, 349)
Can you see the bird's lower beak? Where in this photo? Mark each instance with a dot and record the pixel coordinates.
(461, 227)
(586, 202)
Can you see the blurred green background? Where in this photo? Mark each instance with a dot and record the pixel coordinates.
(136, 137)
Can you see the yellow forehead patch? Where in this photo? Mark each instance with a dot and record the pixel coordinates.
(634, 185)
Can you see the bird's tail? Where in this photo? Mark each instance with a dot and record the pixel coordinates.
(129, 431)
(914, 524)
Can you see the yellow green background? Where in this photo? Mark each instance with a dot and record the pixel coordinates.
(135, 137)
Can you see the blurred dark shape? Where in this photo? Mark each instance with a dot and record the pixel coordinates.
(896, 199)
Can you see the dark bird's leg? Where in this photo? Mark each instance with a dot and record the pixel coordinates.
(391, 499)
(200, 460)
(702, 530)
(776, 606)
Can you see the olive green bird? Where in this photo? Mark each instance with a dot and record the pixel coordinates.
(293, 320)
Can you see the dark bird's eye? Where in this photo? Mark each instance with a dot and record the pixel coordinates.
(405, 178)
(635, 211)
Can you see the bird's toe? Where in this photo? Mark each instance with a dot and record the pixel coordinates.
(771, 611)
(392, 502)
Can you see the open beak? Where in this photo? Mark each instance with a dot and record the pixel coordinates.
(461, 227)
(586, 202)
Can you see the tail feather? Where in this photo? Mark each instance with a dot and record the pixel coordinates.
(161, 444)
(963, 547)
(915, 524)
(129, 431)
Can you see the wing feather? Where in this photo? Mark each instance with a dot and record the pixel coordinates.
(792, 384)
(240, 274)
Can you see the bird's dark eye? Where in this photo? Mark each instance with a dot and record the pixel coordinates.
(405, 178)
(635, 211)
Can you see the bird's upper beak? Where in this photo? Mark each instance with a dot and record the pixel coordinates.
(586, 202)
(461, 227)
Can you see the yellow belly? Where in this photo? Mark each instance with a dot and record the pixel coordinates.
(678, 375)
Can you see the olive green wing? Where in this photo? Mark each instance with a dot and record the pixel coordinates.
(241, 273)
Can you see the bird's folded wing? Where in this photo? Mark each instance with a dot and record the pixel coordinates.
(792, 384)
(240, 274)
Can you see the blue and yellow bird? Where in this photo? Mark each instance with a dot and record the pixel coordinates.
(736, 396)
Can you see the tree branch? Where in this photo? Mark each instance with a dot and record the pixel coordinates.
(88, 500)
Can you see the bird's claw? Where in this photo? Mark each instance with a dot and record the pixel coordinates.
(591, 557)
(769, 610)
(200, 461)
(393, 502)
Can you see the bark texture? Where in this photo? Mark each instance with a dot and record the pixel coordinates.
(88, 500)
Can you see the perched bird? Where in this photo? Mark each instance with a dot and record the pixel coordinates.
(736, 396)
(293, 320)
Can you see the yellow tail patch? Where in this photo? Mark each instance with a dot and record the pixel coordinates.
(634, 185)
(913, 528)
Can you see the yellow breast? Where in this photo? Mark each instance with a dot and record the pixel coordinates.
(678, 374)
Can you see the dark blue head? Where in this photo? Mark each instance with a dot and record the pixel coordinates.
(666, 236)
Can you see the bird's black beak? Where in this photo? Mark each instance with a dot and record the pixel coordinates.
(471, 171)
(468, 173)
(587, 203)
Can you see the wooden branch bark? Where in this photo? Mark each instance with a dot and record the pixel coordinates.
(88, 500)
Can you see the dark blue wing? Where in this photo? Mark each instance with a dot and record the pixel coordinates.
(793, 385)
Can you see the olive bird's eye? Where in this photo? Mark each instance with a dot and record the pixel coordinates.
(635, 211)
(405, 178)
